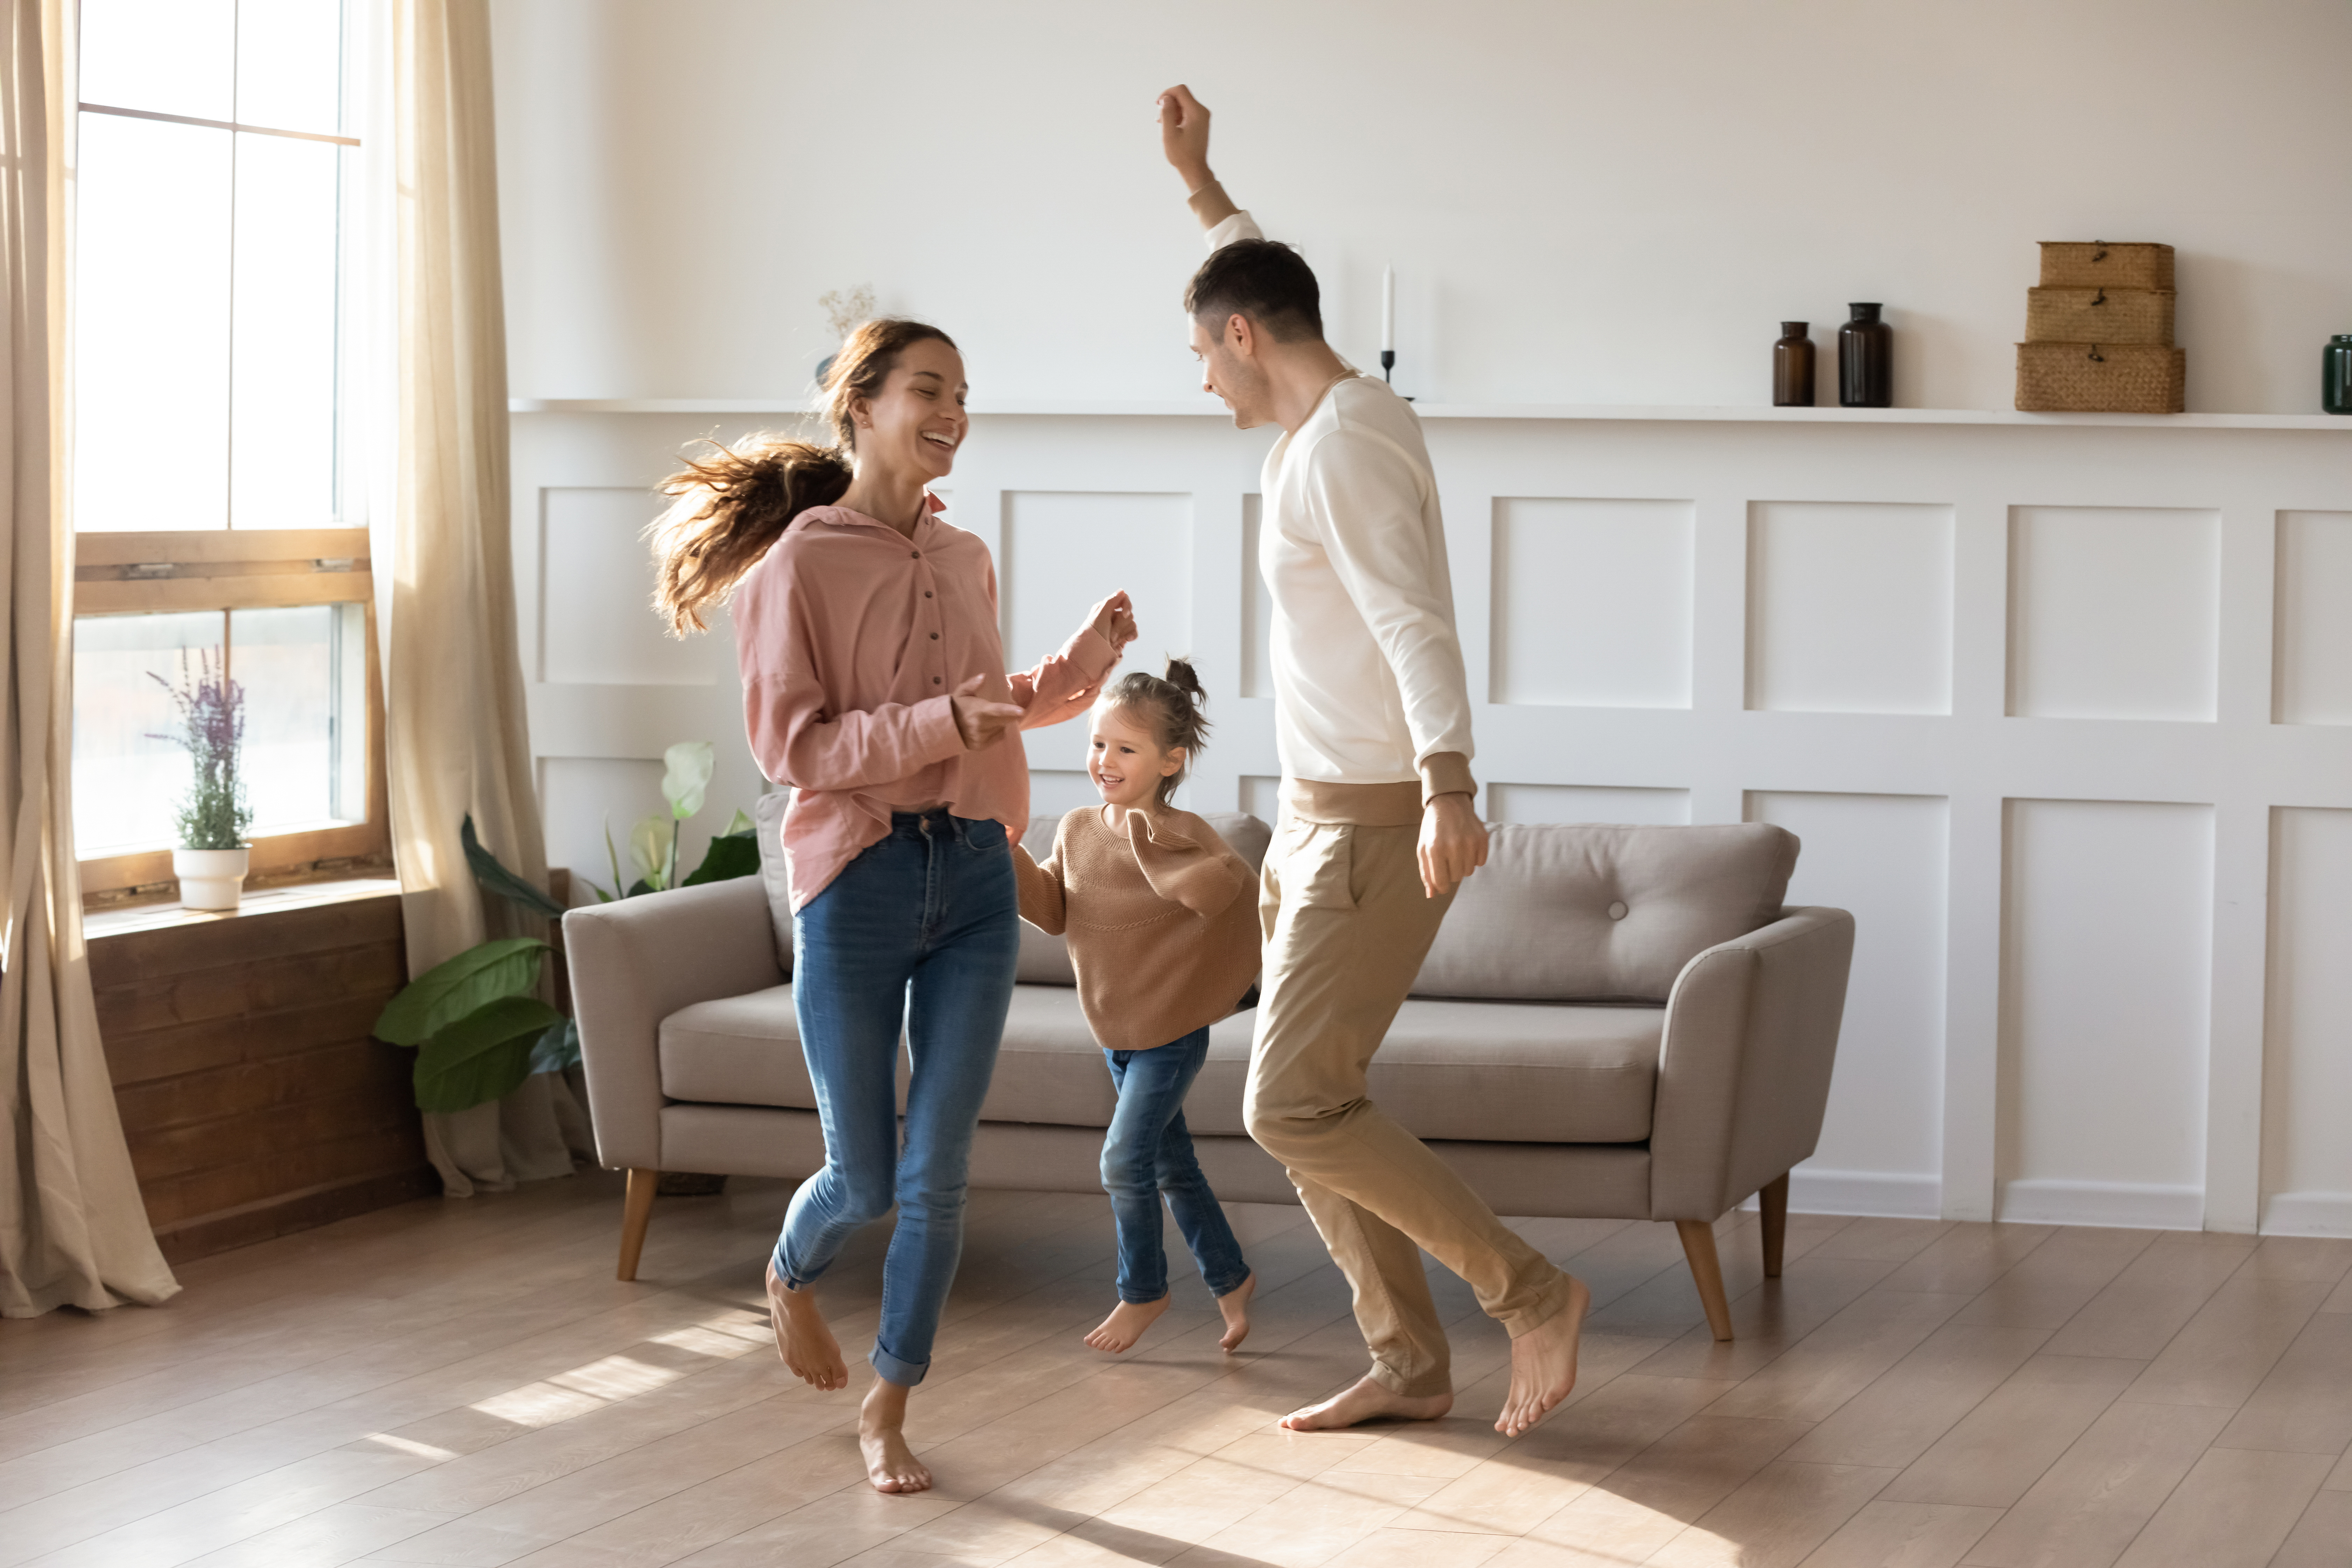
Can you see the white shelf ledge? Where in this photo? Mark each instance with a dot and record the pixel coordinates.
(1638, 412)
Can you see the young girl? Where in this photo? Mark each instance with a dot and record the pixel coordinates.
(1163, 933)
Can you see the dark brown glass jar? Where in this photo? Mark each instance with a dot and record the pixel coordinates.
(1793, 366)
(1866, 361)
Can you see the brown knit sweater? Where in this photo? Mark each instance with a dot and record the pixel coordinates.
(1163, 931)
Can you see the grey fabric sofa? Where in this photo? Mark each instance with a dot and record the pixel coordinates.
(1615, 1021)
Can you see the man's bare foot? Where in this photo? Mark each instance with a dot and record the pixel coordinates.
(808, 1347)
(1364, 1400)
(1543, 1365)
(1125, 1324)
(1234, 1305)
(891, 1465)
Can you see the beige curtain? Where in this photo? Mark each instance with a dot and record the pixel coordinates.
(455, 735)
(73, 1231)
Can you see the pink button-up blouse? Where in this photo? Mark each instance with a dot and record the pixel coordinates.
(851, 637)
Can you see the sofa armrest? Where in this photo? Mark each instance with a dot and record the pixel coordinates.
(1744, 1071)
(635, 961)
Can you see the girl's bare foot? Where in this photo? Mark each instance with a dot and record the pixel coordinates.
(1543, 1364)
(1234, 1305)
(1364, 1400)
(1125, 1324)
(808, 1347)
(891, 1465)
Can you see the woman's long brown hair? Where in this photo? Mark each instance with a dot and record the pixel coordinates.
(727, 508)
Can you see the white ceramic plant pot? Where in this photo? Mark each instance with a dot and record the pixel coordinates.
(210, 878)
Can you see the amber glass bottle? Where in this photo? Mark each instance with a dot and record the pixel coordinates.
(1792, 367)
(1866, 361)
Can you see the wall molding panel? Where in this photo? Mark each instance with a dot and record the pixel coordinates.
(2037, 693)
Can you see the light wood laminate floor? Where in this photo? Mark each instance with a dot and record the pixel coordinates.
(467, 1384)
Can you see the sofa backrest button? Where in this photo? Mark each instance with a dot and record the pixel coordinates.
(1617, 910)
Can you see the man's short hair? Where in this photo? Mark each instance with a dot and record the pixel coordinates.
(1269, 283)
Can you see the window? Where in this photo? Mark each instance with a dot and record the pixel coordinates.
(214, 508)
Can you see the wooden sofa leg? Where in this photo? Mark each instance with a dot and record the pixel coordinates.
(1706, 1270)
(635, 1210)
(1772, 1202)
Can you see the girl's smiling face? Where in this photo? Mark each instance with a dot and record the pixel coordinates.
(1124, 760)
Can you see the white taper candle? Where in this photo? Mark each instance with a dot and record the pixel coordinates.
(1388, 308)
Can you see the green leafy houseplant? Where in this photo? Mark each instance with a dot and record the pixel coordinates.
(476, 1022)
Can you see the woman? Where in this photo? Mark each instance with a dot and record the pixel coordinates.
(874, 683)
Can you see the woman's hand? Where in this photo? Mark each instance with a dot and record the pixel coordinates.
(979, 722)
(1114, 620)
(1184, 135)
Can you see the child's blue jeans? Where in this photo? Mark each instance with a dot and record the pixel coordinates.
(1147, 1153)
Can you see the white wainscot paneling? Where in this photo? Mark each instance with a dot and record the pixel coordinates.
(1056, 792)
(595, 589)
(2114, 612)
(1261, 797)
(2314, 669)
(1063, 550)
(2306, 1070)
(2106, 961)
(1849, 607)
(1258, 607)
(1592, 603)
(1587, 803)
(1883, 856)
(581, 796)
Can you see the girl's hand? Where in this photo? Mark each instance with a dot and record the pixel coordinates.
(981, 723)
(1114, 620)
(1184, 135)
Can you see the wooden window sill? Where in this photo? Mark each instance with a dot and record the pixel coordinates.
(103, 924)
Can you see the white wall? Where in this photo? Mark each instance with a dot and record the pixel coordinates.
(1607, 201)
(2063, 710)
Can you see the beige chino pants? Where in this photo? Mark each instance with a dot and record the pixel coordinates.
(1346, 926)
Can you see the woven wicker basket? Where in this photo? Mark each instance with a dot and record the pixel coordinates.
(2096, 264)
(2098, 316)
(2101, 378)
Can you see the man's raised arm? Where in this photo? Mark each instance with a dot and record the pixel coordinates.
(1184, 137)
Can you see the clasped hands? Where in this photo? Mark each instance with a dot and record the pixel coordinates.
(982, 721)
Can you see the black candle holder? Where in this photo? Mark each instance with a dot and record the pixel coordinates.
(1388, 363)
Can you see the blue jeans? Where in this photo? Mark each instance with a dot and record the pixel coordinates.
(920, 931)
(1148, 1152)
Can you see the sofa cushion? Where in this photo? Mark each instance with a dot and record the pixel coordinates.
(1045, 960)
(1570, 913)
(1492, 1071)
(1536, 1072)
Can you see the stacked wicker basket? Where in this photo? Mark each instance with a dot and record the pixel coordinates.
(2098, 332)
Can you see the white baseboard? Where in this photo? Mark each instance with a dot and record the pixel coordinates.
(2307, 1214)
(2131, 1204)
(1880, 1193)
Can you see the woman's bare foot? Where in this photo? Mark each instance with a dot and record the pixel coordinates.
(1364, 1400)
(1234, 1305)
(891, 1465)
(1543, 1364)
(1125, 1324)
(811, 1352)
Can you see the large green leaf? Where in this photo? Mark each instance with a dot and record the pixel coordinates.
(689, 764)
(450, 990)
(731, 854)
(502, 881)
(484, 1055)
(558, 1048)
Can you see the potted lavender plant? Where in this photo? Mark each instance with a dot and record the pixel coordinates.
(212, 857)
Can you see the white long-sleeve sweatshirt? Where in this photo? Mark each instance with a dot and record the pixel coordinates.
(1368, 676)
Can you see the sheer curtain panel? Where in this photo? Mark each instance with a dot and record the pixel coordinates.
(73, 1231)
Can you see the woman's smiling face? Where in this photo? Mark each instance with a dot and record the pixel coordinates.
(916, 421)
(1124, 760)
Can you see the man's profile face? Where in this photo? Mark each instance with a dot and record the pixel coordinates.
(1229, 370)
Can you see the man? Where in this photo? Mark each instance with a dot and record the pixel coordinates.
(1372, 719)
